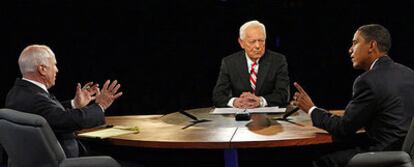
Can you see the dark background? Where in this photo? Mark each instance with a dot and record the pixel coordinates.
(166, 54)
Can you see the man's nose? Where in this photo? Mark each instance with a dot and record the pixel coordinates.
(257, 44)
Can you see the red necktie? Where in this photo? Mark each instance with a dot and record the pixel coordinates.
(253, 76)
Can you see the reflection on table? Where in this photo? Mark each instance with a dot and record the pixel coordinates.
(176, 130)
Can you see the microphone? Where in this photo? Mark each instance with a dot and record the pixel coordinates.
(188, 115)
(290, 112)
(194, 118)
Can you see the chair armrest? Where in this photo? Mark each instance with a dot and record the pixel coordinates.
(92, 161)
(381, 159)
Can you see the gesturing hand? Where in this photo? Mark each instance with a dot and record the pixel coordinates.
(108, 93)
(85, 95)
(302, 99)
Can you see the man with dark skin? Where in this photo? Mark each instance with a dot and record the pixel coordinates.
(382, 100)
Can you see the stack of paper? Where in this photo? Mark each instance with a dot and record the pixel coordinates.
(253, 110)
(110, 132)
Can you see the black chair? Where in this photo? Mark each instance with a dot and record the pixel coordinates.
(30, 142)
(402, 158)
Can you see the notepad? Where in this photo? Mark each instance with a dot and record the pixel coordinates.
(110, 132)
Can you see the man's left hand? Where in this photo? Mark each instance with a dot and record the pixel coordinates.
(302, 99)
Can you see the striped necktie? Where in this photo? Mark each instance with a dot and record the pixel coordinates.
(253, 77)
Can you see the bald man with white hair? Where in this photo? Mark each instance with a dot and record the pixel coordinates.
(30, 94)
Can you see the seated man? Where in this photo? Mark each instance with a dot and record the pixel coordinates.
(254, 77)
(30, 94)
(382, 100)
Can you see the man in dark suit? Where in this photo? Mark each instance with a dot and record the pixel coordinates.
(382, 99)
(30, 94)
(254, 77)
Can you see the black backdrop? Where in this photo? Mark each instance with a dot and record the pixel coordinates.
(166, 54)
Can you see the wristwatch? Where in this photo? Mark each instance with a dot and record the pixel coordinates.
(261, 102)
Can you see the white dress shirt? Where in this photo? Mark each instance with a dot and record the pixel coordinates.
(263, 102)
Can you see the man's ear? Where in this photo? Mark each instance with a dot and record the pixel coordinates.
(372, 46)
(41, 69)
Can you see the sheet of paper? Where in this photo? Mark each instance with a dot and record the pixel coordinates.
(110, 132)
(254, 110)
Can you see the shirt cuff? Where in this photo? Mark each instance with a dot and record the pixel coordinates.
(103, 110)
(311, 109)
(263, 102)
(230, 103)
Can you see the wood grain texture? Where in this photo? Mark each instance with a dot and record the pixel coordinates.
(166, 131)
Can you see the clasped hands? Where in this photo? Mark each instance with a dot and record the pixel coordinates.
(90, 91)
(247, 100)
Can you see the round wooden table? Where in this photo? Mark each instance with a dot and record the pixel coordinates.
(223, 132)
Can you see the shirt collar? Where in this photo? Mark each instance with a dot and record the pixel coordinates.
(43, 86)
(250, 62)
(375, 61)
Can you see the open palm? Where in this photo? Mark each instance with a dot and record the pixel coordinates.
(85, 95)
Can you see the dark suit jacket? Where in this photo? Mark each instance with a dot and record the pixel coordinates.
(382, 103)
(27, 97)
(272, 79)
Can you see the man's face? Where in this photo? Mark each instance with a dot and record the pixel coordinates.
(254, 43)
(360, 52)
(50, 71)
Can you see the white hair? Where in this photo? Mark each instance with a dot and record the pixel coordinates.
(253, 23)
(34, 55)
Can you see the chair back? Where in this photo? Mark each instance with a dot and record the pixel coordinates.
(28, 140)
(408, 145)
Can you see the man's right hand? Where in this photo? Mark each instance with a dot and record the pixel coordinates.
(247, 100)
(85, 95)
(239, 103)
(108, 94)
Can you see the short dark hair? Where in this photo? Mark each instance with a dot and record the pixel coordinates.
(377, 33)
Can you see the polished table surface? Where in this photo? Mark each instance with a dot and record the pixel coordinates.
(224, 132)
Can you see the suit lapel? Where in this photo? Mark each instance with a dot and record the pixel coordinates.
(243, 71)
(263, 69)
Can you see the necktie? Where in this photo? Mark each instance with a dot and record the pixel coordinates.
(253, 77)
